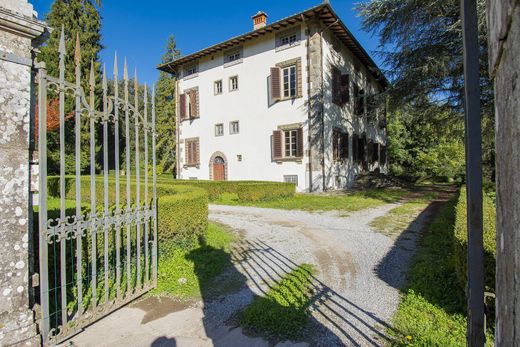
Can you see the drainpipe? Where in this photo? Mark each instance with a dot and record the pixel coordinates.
(323, 107)
(309, 103)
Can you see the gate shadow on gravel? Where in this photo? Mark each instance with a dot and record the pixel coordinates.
(263, 265)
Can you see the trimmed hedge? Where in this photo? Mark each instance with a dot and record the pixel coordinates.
(246, 190)
(265, 191)
(461, 241)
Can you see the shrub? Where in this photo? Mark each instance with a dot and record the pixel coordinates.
(53, 185)
(265, 191)
(182, 216)
(461, 243)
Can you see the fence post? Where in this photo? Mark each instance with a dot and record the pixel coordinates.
(20, 32)
(504, 60)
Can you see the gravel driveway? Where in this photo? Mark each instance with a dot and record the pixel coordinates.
(359, 270)
(356, 286)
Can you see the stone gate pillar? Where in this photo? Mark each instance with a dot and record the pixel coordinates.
(19, 33)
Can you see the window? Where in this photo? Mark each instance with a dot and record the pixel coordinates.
(291, 179)
(233, 57)
(289, 81)
(359, 101)
(290, 143)
(340, 87)
(234, 127)
(191, 70)
(219, 129)
(339, 144)
(288, 40)
(189, 104)
(218, 87)
(233, 83)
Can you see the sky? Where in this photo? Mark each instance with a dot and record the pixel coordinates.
(138, 30)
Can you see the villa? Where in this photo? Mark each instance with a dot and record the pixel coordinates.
(297, 100)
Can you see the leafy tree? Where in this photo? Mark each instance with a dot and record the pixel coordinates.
(81, 20)
(421, 44)
(165, 112)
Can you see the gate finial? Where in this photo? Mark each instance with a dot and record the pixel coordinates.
(61, 47)
(77, 51)
(116, 71)
(104, 77)
(125, 71)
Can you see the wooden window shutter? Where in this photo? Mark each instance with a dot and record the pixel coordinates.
(344, 146)
(335, 153)
(188, 149)
(277, 144)
(299, 139)
(196, 152)
(382, 156)
(276, 92)
(370, 152)
(345, 90)
(336, 86)
(355, 147)
(182, 106)
(194, 109)
(356, 100)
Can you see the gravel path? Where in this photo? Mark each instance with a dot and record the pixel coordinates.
(359, 270)
(355, 289)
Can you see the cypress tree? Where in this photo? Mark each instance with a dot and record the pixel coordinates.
(79, 19)
(165, 112)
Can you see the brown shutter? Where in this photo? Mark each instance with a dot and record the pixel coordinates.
(187, 148)
(276, 92)
(334, 144)
(299, 139)
(370, 152)
(277, 144)
(355, 147)
(345, 90)
(344, 146)
(194, 104)
(382, 156)
(196, 151)
(336, 86)
(182, 106)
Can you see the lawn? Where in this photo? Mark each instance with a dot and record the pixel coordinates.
(320, 202)
(397, 220)
(432, 311)
(189, 272)
(284, 311)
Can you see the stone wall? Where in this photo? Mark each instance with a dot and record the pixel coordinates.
(19, 30)
(504, 54)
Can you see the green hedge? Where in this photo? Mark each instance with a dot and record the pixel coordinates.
(245, 190)
(265, 191)
(461, 241)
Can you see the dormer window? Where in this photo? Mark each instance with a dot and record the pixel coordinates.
(234, 57)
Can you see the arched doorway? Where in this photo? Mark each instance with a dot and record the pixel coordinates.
(219, 169)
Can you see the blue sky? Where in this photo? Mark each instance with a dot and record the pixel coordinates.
(139, 29)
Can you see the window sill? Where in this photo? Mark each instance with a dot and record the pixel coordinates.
(287, 46)
(187, 166)
(298, 160)
(191, 76)
(189, 119)
(235, 62)
(290, 98)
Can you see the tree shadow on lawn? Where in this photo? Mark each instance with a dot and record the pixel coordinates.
(262, 267)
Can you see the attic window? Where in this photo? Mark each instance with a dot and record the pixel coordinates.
(233, 56)
(191, 70)
(288, 40)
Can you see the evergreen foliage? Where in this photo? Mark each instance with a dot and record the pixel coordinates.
(81, 20)
(165, 112)
(421, 44)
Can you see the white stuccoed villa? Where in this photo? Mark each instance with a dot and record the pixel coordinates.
(294, 101)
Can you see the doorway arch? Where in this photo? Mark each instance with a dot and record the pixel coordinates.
(218, 167)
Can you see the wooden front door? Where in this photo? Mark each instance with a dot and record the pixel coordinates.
(219, 169)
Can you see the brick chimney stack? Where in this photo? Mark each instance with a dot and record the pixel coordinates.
(259, 20)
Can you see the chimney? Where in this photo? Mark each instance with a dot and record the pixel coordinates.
(259, 20)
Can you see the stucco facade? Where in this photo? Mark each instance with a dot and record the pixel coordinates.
(252, 153)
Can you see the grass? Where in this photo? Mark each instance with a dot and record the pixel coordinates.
(397, 220)
(319, 202)
(284, 311)
(432, 311)
(188, 273)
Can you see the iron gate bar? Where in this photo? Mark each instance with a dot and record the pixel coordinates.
(476, 326)
(61, 232)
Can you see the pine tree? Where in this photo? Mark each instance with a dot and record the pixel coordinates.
(79, 19)
(165, 112)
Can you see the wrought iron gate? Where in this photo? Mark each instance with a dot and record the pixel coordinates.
(98, 248)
